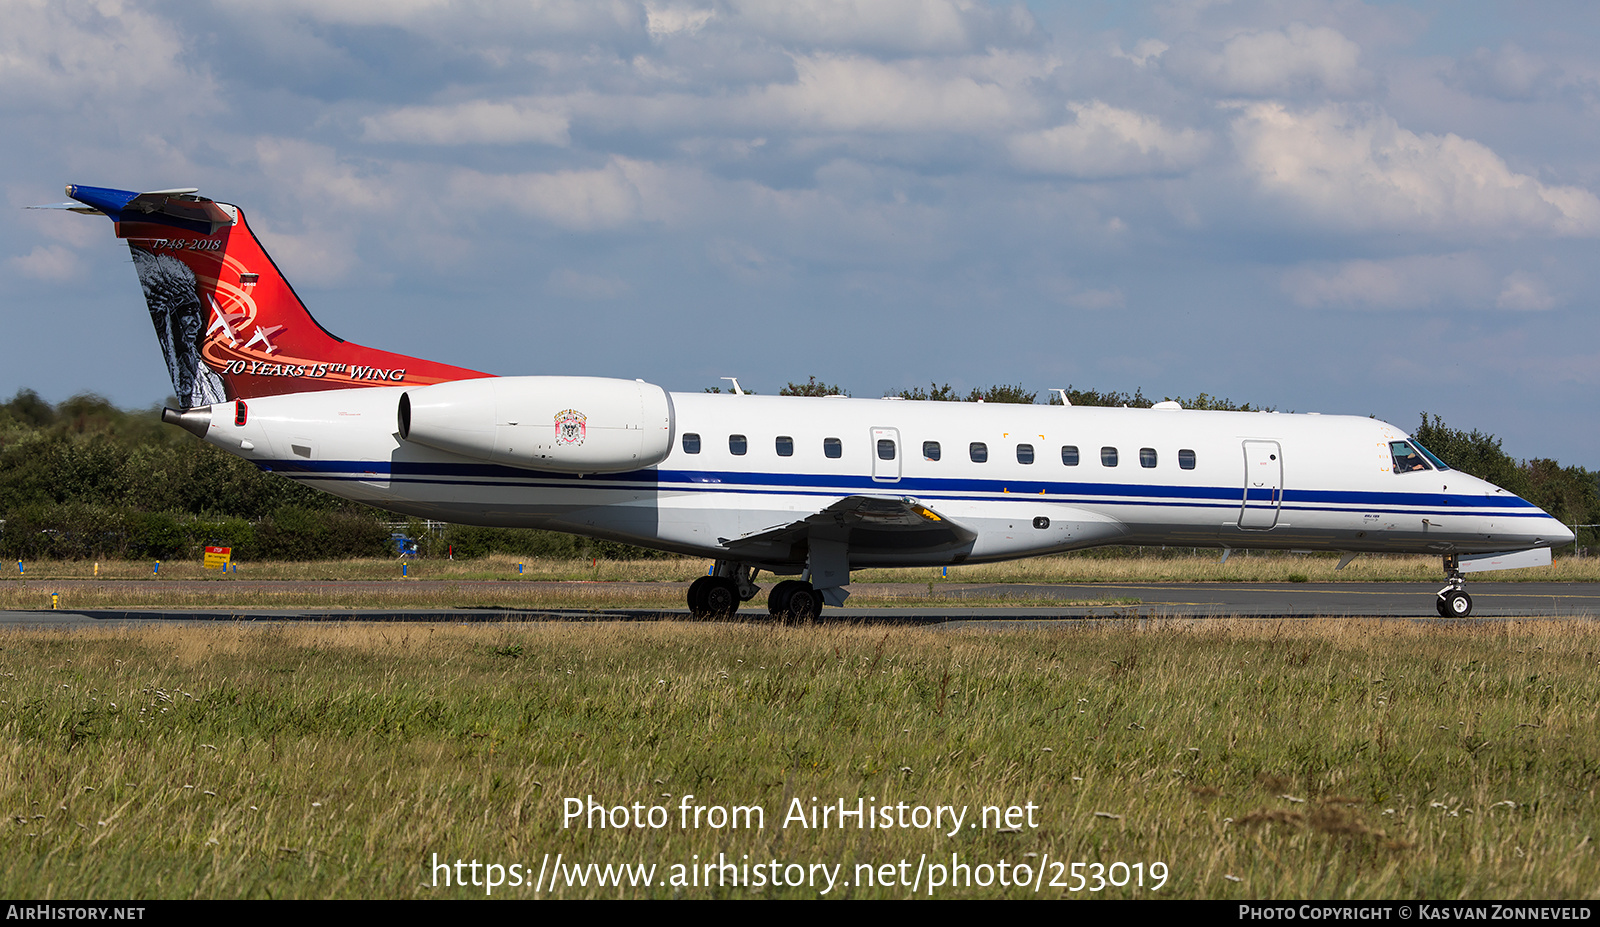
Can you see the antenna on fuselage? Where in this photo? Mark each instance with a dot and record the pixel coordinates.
(1063, 394)
(735, 382)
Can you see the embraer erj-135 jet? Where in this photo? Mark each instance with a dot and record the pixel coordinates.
(806, 487)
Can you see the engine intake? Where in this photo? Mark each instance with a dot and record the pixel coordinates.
(561, 424)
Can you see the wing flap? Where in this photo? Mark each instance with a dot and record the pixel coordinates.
(878, 522)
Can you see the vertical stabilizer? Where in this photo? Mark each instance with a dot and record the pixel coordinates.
(229, 324)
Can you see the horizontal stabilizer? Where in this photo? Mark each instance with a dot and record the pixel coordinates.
(1505, 560)
(178, 208)
(78, 208)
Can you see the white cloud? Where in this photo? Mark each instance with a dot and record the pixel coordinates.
(841, 93)
(663, 20)
(1524, 292)
(593, 287)
(48, 262)
(1452, 281)
(1145, 51)
(1070, 292)
(1511, 73)
(454, 19)
(1108, 142)
(475, 122)
(743, 261)
(849, 99)
(1356, 169)
(905, 25)
(315, 173)
(1276, 62)
(583, 200)
(100, 56)
(316, 256)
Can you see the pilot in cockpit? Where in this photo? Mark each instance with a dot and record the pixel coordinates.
(1406, 458)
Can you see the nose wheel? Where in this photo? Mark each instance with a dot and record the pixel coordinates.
(1453, 601)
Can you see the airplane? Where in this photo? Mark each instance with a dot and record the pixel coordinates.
(804, 488)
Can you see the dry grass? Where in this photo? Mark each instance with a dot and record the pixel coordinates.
(1242, 567)
(1155, 566)
(1308, 759)
(38, 595)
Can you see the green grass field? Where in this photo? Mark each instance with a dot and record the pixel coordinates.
(1309, 759)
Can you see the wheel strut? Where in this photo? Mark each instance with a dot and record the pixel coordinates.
(1453, 601)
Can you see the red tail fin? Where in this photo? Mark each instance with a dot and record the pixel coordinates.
(231, 326)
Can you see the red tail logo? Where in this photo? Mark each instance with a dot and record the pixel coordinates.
(231, 326)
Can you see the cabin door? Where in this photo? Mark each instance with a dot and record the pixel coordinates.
(1263, 484)
(886, 454)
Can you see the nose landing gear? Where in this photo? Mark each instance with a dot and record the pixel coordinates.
(1453, 601)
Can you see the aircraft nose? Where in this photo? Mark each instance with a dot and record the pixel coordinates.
(1560, 534)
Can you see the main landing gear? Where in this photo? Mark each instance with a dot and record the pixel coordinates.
(718, 596)
(1453, 601)
(795, 601)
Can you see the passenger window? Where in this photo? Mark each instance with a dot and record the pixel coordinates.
(1406, 458)
(885, 449)
(832, 447)
(1069, 455)
(1024, 453)
(691, 443)
(785, 445)
(1186, 459)
(978, 451)
(1108, 457)
(737, 445)
(930, 450)
(1147, 457)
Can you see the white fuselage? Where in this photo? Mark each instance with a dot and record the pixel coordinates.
(1140, 477)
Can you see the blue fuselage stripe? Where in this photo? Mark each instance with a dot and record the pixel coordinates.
(831, 485)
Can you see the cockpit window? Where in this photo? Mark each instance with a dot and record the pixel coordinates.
(1406, 458)
(1437, 463)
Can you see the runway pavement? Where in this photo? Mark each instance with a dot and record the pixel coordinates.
(1154, 600)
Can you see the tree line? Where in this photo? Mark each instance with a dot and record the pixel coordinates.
(84, 479)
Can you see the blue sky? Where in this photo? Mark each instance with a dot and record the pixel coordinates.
(1338, 207)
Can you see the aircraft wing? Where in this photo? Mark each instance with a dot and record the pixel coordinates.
(898, 523)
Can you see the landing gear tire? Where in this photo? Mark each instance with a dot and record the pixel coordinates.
(721, 598)
(794, 601)
(1453, 601)
(697, 595)
(778, 598)
(805, 605)
(1454, 604)
(713, 597)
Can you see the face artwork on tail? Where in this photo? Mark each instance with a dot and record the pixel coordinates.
(180, 321)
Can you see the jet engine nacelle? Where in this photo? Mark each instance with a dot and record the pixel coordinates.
(563, 424)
